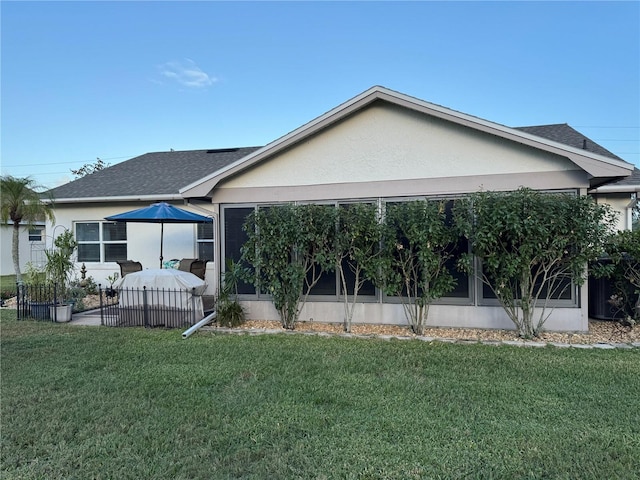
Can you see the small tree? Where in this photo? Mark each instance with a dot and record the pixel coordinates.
(21, 203)
(289, 247)
(416, 246)
(60, 265)
(89, 168)
(357, 251)
(533, 247)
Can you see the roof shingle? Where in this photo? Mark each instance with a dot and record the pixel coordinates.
(158, 173)
(563, 133)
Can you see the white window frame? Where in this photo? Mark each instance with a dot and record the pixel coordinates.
(101, 242)
(36, 231)
(211, 241)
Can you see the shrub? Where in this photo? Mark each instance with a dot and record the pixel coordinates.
(624, 252)
(416, 246)
(289, 248)
(533, 247)
(229, 312)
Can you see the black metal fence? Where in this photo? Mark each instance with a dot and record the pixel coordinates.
(34, 301)
(150, 307)
(124, 307)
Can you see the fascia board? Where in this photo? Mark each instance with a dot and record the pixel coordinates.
(594, 164)
(126, 198)
(616, 189)
(588, 161)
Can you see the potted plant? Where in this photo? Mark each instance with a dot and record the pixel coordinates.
(59, 269)
(111, 292)
(37, 292)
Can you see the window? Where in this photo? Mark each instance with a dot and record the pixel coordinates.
(329, 286)
(234, 237)
(36, 234)
(205, 242)
(563, 291)
(101, 241)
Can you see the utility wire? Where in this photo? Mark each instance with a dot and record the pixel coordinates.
(67, 163)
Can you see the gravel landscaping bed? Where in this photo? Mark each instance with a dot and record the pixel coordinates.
(599, 332)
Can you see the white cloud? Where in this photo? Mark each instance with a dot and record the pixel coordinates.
(187, 74)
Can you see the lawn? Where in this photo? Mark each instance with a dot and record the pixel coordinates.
(7, 286)
(106, 403)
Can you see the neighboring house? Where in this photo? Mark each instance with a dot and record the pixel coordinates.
(623, 197)
(31, 243)
(379, 146)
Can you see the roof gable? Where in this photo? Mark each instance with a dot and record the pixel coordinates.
(595, 164)
(386, 143)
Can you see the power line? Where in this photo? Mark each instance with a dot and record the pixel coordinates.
(602, 126)
(65, 163)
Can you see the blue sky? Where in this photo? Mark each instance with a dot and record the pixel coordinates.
(114, 80)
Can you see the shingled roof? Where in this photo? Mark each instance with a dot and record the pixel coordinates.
(563, 133)
(162, 175)
(159, 174)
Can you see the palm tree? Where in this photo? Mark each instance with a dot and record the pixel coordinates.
(23, 205)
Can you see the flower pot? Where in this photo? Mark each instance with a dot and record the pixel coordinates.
(61, 313)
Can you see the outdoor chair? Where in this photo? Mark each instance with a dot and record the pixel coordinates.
(129, 266)
(193, 265)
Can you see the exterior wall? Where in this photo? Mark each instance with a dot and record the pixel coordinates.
(143, 239)
(454, 316)
(29, 251)
(620, 203)
(384, 143)
(385, 151)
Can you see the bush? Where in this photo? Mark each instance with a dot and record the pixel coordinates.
(230, 313)
(624, 271)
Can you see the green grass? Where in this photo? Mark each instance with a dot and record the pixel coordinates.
(7, 286)
(104, 403)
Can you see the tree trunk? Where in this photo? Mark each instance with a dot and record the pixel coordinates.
(15, 251)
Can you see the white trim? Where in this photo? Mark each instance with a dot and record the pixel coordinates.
(616, 189)
(125, 198)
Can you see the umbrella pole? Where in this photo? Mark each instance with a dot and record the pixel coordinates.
(161, 241)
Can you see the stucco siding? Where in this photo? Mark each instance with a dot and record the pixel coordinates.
(386, 143)
(143, 239)
(28, 251)
(621, 204)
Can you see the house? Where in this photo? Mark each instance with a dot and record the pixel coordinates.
(623, 196)
(31, 243)
(378, 146)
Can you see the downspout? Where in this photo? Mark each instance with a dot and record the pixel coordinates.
(216, 238)
(187, 333)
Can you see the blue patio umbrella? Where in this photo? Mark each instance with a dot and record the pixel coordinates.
(161, 213)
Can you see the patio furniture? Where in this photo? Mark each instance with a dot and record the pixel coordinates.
(128, 266)
(193, 265)
(160, 297)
